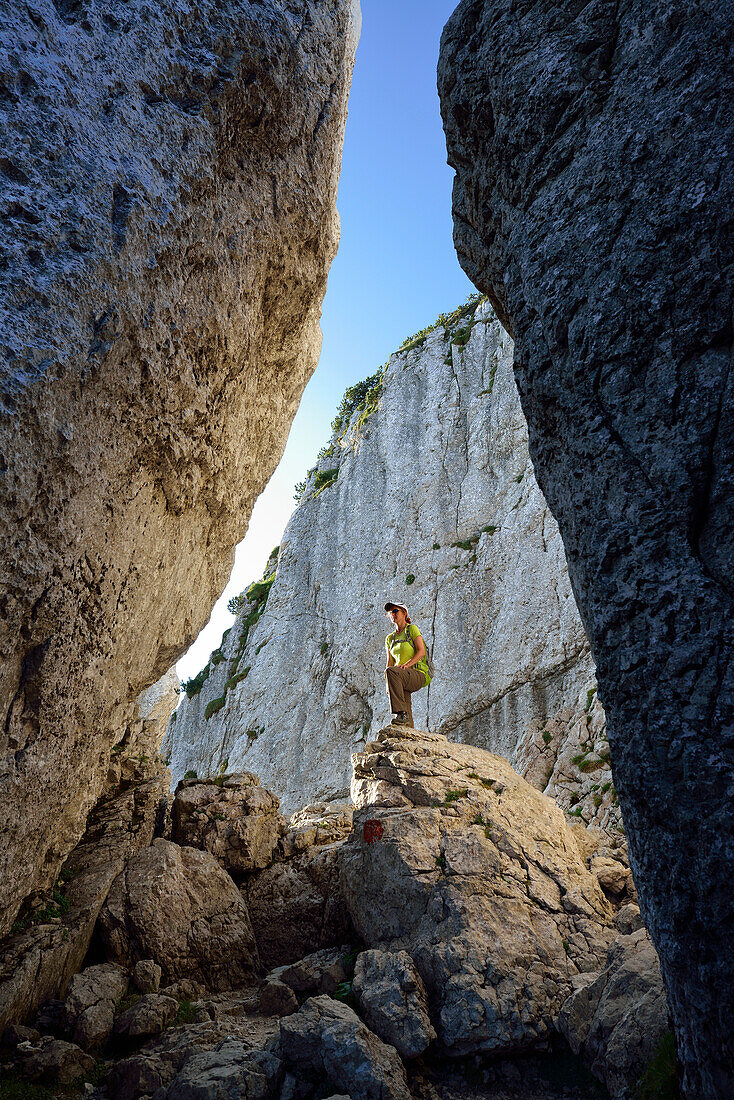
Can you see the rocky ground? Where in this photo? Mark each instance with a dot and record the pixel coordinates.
(452, 937)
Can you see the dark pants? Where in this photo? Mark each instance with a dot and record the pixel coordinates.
(401, 682)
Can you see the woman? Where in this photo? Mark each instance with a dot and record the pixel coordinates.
(407, 669)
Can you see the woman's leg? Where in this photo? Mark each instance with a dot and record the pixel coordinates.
(400, 683)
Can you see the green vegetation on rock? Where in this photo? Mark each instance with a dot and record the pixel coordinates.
(214, 706)
(448, 321)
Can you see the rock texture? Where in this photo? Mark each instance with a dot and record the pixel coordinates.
(50, 939)
(232, 817)
(593, 202)
(327, 1039)
(178, 907)
(393, 1002)
(296, 906)
(490, 591)
(91, 1000)
(458, 861)
(617, 1020)
(167, 188)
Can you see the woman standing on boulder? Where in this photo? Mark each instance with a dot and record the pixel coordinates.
(407, 664)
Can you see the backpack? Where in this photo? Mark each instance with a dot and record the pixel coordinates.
(428, 659)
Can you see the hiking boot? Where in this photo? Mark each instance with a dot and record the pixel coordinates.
(401, 719)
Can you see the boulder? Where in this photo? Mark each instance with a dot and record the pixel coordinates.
(628, 919)
(146, 1018)
(232, 817)
(318, 823)
(392, 1001)
(458, 861)
(139, 1075)
(617, 1019)
(232, 1069)
(327, 1039)
(17, 1033)
(184, 990)
(52, 1061)
(277, 999)
(146, 976)
(320, 972)
(178, 907)
(296, 907)
(612, 875)
(91, 1000)
(160, 321)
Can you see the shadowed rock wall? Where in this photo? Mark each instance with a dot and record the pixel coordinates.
(593, 203)
(168, 181)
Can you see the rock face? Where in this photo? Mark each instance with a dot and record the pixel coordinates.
(466, 541)
(592, 202)
(458, 861)
(168, 185)
(178, 907)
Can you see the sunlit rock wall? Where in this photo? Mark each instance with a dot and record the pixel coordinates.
(435, 484)
(168, 182)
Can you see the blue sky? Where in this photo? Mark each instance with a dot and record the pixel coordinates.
(396, 268)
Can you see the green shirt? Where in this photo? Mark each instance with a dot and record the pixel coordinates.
(401, 650)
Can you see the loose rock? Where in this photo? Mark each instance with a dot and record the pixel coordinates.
(147, 1017)
(393, 1002)
(326, 1037)
(233, 817)
(177, 906)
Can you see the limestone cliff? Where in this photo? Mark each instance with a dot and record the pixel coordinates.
(168, 181)
(426, 495)
(593, 202)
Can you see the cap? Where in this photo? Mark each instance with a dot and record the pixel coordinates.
(389, 606)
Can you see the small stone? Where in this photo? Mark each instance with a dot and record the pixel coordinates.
(146, 1017)
(277, 999)
(147, 976)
